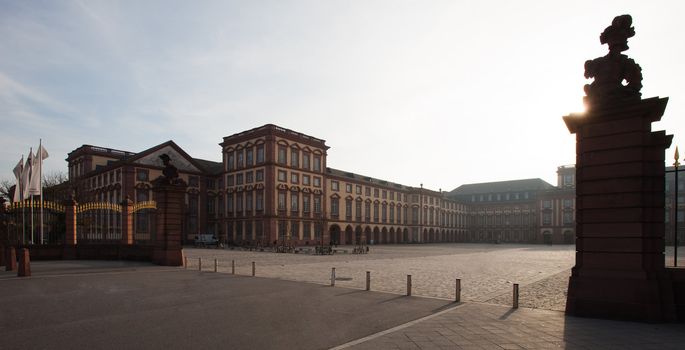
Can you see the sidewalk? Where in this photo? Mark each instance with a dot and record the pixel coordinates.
(484, 326)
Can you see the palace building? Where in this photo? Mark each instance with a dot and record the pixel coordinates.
(273, 184)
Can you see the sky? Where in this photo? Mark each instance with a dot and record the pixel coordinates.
(439, 93)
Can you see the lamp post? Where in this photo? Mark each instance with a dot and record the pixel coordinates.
(675, 172)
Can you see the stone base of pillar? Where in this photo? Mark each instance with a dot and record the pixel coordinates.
(648, 300)
(168, 257)
(10, 259)
(24, 263)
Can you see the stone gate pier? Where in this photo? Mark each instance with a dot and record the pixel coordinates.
(620, 267)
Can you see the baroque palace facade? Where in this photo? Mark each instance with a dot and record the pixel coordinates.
(273, 184)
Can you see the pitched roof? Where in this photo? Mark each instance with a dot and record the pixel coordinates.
(211, 167)
(367, 179)
(502, 186)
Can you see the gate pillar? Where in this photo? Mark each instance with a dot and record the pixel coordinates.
(70, 222)
(169, 193)
(619, 271)
(127, 221)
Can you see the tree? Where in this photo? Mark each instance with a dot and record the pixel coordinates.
(54, 184)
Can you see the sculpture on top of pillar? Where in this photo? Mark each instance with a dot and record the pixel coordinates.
(612, 70)
(169, 173)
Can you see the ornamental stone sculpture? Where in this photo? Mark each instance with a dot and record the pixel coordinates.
(612, 70)
(169, 173)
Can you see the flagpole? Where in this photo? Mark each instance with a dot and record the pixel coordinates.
(23, 206)
(40, 179)
(30, 194)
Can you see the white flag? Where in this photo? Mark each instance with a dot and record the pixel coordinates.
(26, 178)
(36, 171)
(18, 173)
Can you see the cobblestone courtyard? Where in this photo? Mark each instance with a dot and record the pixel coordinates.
(486, 271)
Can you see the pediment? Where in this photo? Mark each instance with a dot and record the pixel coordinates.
(177, 159)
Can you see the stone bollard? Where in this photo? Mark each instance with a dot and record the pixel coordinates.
(408, 285)
(457, 291)
(253, 269)
(216, 265)
(11, 259)
(515, 298)
(368, 280)
(24, 263)
(332, 276)
(232, 267)
(199, 264)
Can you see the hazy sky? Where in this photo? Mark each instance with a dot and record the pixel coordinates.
(435, 92)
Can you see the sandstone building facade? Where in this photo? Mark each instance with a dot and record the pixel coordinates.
(273, 184)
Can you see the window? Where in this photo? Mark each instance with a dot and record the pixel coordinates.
(348, 209)
(568, 218)
(305, 203)
(375, 212)
(317, 204)
(305, 180)
(282, 154)
(305, 160)
(358, 210)
(249, 177)
(295, 178)
(259, 175)
(281, 200)
(317, 163)
(231, 161)
(392, 195)
(229, 180)
(239, 179)
(210, 184)
(384, 213)
(335, 206)
(568, 203)
(307, 230)
(259, 203)
(348, 188)
(546, 204)
(392, 213)
(367, 211)
(260, 154)
(294, 201)
(358, 189)
(547, 218)
(294, 158)
(385, 194)
(239, 202)
(248, 201)
(368, 191)
(282, 176)
(399, 214)
(375, 192)
(334, 185)
(295, 230)
(249, 157)
(568, 180)
(240, 158)
(317, 181)
(141, 175)
(229, 203)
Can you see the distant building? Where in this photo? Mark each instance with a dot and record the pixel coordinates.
(273, 184)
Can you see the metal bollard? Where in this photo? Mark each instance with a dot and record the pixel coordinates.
(232, 267)
(253, 269)
(332, 276)
(199, 264)
(185, 262)
(368, 280)
(216, 265)
(408, 285)
(516, 296)
(457, 291)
